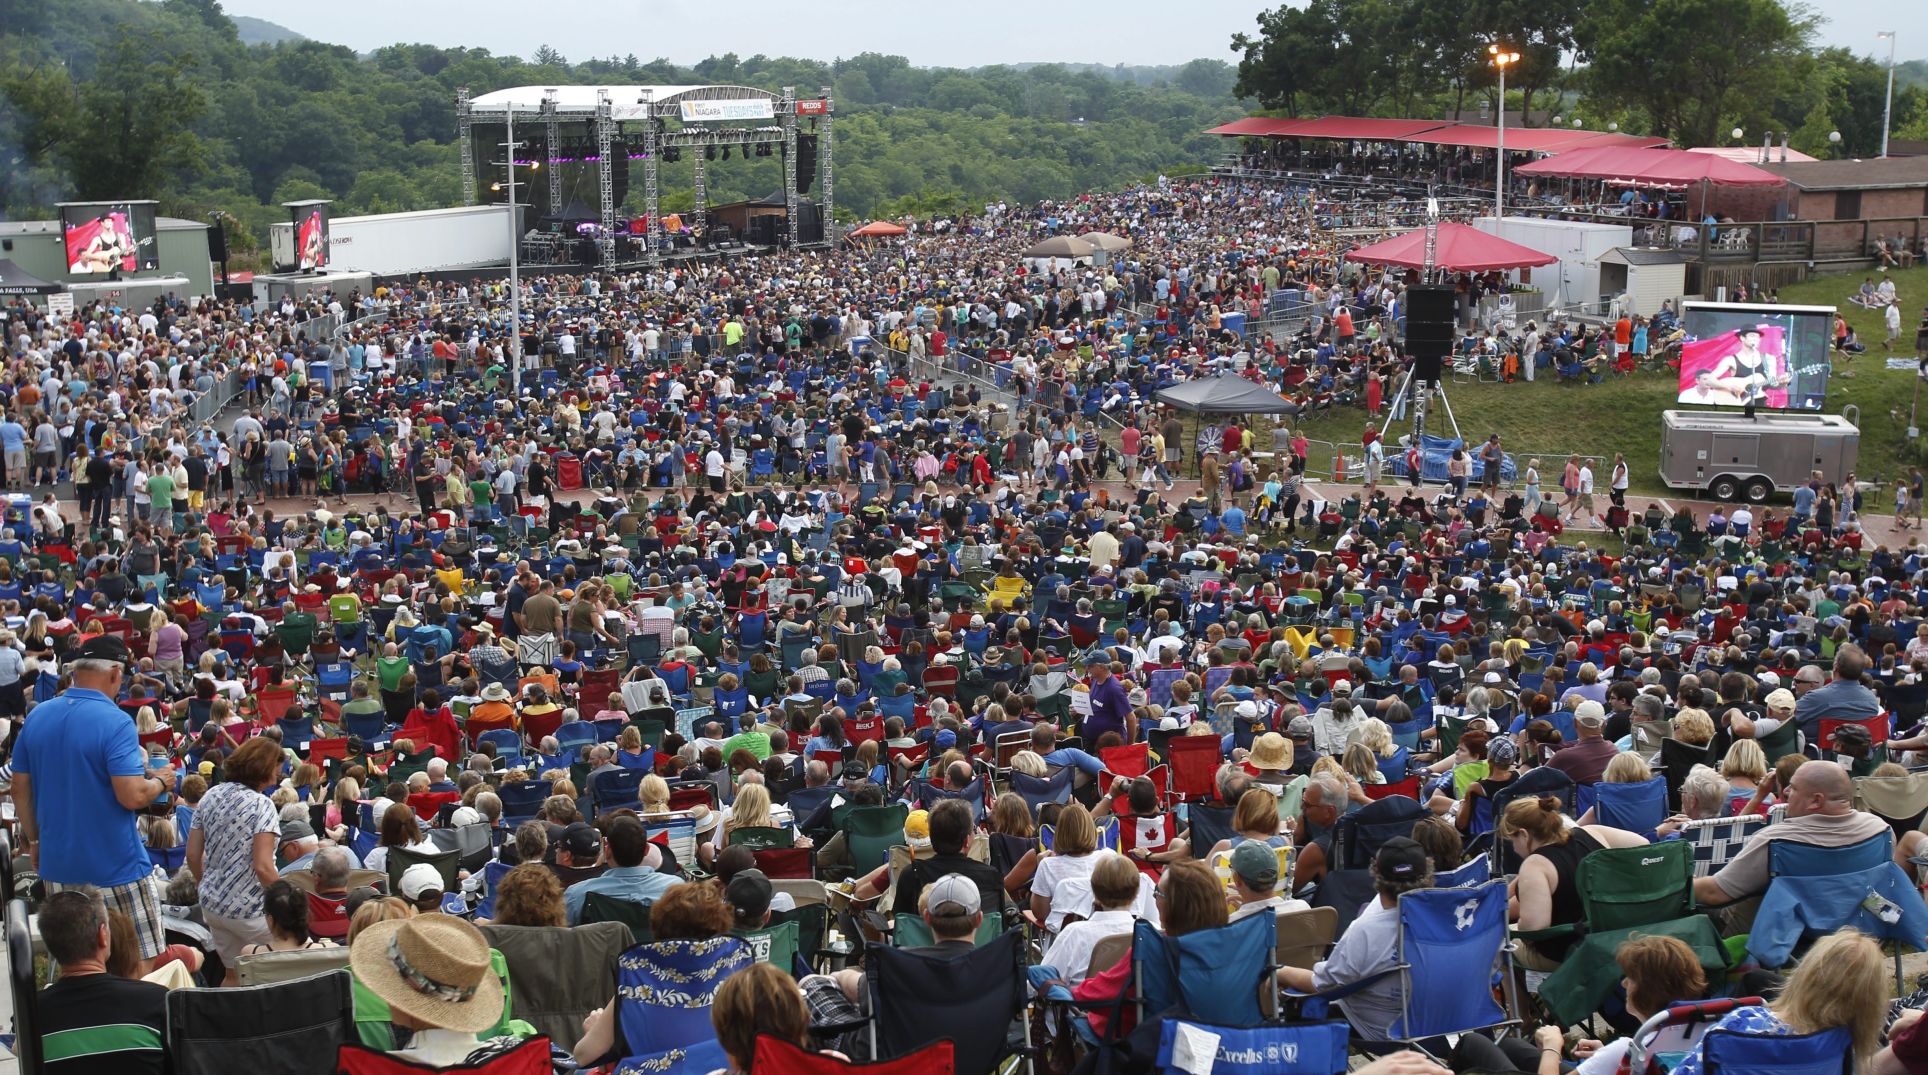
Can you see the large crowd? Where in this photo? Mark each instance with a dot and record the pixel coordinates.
(752, 686)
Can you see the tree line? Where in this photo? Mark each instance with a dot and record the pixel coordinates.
(1689, 70)
(130, 99)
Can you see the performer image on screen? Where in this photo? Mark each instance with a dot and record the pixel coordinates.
(1748, 371)
(313, 255)
(111, 246)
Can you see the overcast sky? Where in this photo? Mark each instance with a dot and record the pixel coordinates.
(984, 32)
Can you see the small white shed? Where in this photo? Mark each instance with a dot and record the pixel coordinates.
(1647, 276)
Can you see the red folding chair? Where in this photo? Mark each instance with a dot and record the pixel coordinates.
(1194, 761)
(597, 686)
(322, 749)
(327, 916)
(865, 731)
(273, 703)
(1877, 726)
(796, 863)
(686, 796)
(529, 1058)
(1150, 834)
(427, 804)
(775, 1056)
(1127, 761)
(160, 737)
(1408, 787)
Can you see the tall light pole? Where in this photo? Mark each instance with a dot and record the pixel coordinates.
(1501, 59)
(1887, 110)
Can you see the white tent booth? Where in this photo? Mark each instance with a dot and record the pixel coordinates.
(1574, 281)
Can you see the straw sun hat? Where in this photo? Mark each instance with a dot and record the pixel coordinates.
(434, 968)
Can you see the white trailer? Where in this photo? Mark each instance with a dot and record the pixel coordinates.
(404, 244)
(1575, 279)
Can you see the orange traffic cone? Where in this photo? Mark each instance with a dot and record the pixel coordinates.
(1338, 467)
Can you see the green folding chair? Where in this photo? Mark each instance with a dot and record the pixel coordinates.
(599, 907)
(911, 931)
(871, 831)
(775, 944)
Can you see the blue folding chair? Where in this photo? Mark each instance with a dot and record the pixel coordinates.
(575, 735)
(1731, 1052)
(664, 991)
(522, 800)
(508, 744)
(492, 875)
(1269, 1049)
(296, 731)
(1442, 933)
(1037, 791)
(334, 679)
(1815, 890)
(617, 788)
(1634, 807)
(1223, 971)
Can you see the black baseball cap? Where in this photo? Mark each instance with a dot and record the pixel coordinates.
(582, 840)
(1400, 859)
(749, 894)
(104, 648)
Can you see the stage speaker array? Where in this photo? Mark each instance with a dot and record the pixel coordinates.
(1430, 327)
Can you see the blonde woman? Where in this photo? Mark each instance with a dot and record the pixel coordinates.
(1839, 985)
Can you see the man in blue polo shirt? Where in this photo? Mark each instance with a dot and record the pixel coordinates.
(80, 782)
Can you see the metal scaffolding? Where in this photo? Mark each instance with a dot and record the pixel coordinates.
(552, 137)
(827, 189)
(652, 145)
(700, 215)
(787, 113)
(466, 135)
(606, 178)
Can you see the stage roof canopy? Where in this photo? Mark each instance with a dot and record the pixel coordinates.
(625, 101)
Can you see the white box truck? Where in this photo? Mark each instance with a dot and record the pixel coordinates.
(404, 244)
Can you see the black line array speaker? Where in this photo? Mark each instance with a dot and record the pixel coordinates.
(217, 243)
(1429, 329)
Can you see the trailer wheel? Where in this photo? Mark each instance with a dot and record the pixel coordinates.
(1724, 488)
(1758, 490)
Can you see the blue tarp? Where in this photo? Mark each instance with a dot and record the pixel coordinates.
(1435, 452)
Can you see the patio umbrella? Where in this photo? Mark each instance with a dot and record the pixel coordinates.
(1061, 246)
(879, 229)
(1106, 241)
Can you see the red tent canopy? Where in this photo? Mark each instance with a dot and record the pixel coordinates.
(1656, 166)
(879, 228)
(1461, 248)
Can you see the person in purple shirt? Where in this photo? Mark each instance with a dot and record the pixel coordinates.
(1110, 706)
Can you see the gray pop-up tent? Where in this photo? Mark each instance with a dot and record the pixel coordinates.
(1225, 394)
(15, 280)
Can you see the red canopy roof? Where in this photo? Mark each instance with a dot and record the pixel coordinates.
(1257, 126)
(1348, 127)
(1525, 139)
(1461, 248)
(879, 227)
(1656, 166)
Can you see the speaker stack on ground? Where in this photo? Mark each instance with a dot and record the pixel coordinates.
(1430, 326)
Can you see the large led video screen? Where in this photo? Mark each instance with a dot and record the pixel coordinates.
(1773, 357)
(311, 236)
(106, 237)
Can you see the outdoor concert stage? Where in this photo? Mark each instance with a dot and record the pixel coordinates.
(546, 130)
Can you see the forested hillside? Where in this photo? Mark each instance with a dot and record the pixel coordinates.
(129, 98)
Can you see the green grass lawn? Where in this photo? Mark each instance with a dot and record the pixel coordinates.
(1548, 419)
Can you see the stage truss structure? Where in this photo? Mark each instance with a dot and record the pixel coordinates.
(666, 122)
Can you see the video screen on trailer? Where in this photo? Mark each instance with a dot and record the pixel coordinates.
(311, 237)
(1774, 357)
(105, 237)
